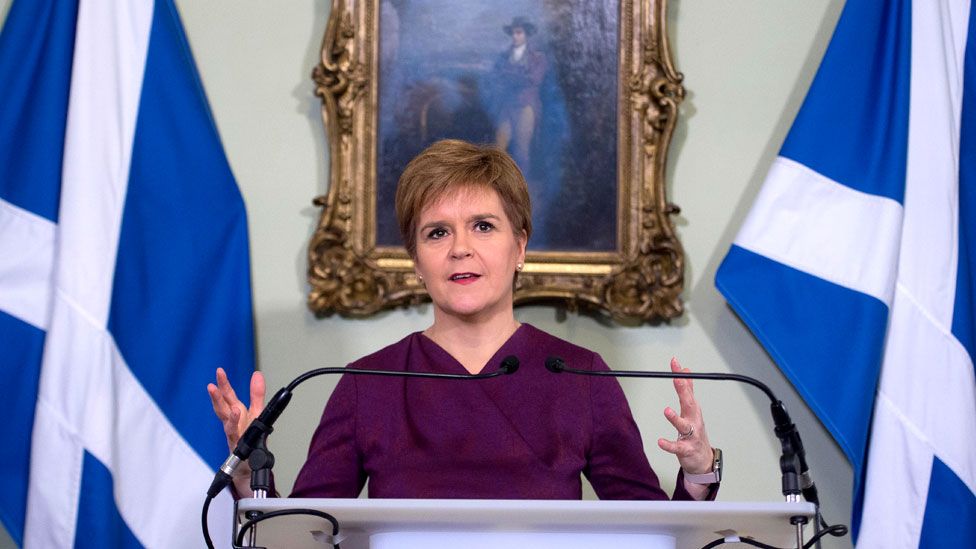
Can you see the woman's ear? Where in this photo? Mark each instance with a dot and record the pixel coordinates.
(523, 240)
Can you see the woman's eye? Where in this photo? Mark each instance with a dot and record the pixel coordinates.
(483, 226)
(434, 234)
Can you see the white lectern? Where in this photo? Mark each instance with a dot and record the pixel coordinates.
(539, 524)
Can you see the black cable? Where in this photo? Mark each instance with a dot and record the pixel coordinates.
(755, 543)
(823, 521)
(206, 527)
(838, 530)
(818, 525)
(747, 541)
(284, 512)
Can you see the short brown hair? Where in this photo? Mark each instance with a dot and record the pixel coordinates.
(450, 165)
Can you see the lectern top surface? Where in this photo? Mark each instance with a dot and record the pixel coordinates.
(692, 523)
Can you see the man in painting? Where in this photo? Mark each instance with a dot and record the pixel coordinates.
(519, 72)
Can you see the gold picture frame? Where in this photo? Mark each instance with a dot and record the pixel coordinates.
(640, 279)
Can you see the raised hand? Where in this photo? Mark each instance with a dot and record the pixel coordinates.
(691, 447)
(236, 417)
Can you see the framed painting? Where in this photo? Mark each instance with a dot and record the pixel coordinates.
(582, 93)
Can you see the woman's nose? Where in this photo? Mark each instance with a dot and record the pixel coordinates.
(460, 247)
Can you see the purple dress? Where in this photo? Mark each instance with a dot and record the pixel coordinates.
(528, 435)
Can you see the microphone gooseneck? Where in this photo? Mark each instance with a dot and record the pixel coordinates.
(261, 427)
(793, 460)
(796, 477)
(253, 439)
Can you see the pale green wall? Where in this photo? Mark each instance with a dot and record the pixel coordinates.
(747, 64)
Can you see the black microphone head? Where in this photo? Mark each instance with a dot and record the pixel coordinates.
(555, 364)
(510, 364)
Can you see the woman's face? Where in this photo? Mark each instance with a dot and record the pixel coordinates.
(467, 254)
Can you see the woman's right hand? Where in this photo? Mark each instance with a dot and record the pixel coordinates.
(236, 417)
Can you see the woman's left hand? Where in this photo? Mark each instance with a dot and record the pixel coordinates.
(691, 447)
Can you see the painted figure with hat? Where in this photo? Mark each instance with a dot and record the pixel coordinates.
(519, 72)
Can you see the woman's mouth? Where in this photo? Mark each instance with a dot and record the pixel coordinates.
(464, 278)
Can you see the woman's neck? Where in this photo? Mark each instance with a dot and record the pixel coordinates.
(472, 343)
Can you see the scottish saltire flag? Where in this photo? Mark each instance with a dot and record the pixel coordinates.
(855, 267)
(124, 278)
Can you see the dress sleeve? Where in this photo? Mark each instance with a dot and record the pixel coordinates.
(334, 467)
(616, 465)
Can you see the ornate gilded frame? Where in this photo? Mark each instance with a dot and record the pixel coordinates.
(639, 281)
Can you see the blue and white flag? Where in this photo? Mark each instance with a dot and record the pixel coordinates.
(855, 267)
(124, 278)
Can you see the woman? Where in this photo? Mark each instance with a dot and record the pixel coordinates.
(464, 214)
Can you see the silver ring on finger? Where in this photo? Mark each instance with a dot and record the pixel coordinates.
(683, 436)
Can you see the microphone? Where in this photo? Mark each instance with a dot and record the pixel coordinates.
(253, 438)
(255, 434)
(510, 364)
(793, 462)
